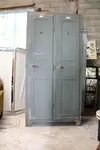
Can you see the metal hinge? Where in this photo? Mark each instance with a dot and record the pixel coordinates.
(53, 106)
(26, 65)
(53, 28)
(54, 67)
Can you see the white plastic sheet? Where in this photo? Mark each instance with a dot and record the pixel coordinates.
(6, 76)
(20, 80)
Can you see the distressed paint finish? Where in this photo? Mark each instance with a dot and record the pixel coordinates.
(43, 103)
(67, 76)
(39, 71)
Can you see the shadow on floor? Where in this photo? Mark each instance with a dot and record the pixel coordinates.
(89, 112)
(7, 123)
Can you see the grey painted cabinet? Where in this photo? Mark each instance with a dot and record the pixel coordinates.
(53, 68)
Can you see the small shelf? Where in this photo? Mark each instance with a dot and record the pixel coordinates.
(91, 81)
(91, 78)
(90, 92)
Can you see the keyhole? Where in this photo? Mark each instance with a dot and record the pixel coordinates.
(68, 33)
(41, 32)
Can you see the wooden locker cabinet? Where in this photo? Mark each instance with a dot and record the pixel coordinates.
(54, 77)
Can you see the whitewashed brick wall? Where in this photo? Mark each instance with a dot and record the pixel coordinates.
(51, 5)
(56, 5)
(90, 9)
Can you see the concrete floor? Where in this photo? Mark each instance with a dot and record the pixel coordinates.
(15, 136)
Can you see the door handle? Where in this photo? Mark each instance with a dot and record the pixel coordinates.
(35, 66)
(62, 67)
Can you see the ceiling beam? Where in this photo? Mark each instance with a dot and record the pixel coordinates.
(18, 7)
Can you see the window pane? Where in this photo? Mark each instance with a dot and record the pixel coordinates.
(7, 30)
(20, 34)
(13, 30)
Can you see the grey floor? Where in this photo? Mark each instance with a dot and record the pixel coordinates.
(15, 136)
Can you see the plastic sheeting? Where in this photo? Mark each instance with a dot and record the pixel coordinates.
(6, 63)
(6, 76)
(19, 79)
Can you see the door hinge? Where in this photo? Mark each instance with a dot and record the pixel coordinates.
(26, 65)
(53, 28)
(54, 67)
(53, 106)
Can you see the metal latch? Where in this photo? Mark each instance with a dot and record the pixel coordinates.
(54, 67)
(52, 105)
(54, 29)
(35, 66)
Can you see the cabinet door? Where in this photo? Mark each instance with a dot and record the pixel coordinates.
(67, 72)
(39, 71)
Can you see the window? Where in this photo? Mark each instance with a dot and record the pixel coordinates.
(13, 30)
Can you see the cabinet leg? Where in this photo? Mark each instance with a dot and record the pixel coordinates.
(78, 122)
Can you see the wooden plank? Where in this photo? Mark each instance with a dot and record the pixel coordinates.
(15, 3)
